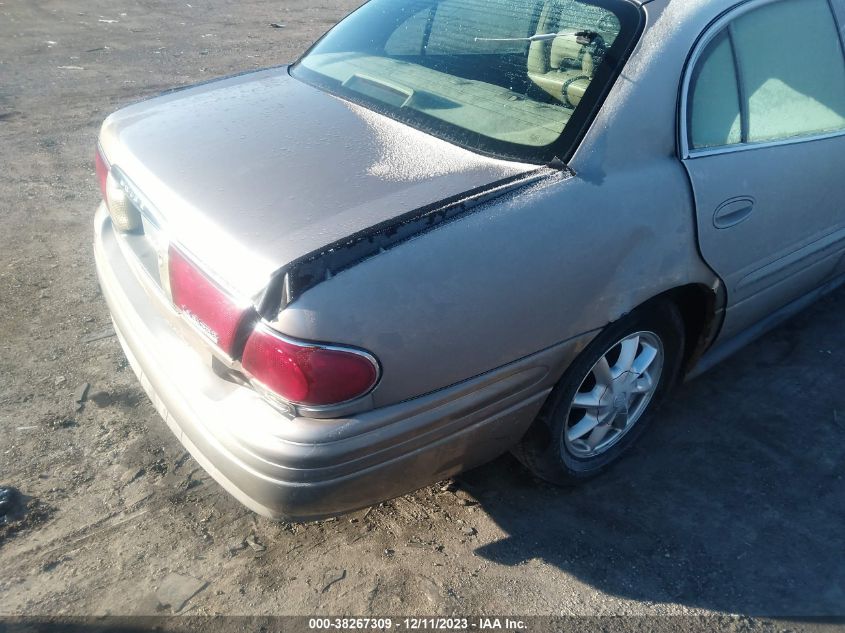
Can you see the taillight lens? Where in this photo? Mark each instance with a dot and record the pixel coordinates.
(219, 316)
(306, 373)
(124, 214)
(102, 168)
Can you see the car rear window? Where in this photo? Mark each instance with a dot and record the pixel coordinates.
(517, 79)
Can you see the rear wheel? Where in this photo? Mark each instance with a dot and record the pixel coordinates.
(605, 400)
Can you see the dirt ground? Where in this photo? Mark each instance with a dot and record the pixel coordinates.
(733, 503)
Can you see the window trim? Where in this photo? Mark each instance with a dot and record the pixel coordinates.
(723, 23)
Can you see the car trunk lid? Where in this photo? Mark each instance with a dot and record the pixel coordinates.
(252, 172)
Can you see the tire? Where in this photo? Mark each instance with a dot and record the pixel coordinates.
(568, 442)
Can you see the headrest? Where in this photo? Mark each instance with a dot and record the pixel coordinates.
(569, 54)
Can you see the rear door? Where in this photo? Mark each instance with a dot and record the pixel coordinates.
(763, 140)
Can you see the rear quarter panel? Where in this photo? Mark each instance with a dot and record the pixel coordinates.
(530, 270)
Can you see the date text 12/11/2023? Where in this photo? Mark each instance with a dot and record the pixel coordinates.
(456, 624)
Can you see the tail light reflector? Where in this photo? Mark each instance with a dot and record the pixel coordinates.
(124, 215)
(307, 373)
(210, 308)
(102, 168)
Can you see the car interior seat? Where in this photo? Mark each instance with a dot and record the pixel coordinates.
(564, 66)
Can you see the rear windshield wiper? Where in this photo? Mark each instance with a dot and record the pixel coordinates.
(582, 37)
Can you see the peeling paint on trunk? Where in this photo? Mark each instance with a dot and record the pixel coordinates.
(292, 280)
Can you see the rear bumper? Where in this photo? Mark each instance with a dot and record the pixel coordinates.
(303, 468)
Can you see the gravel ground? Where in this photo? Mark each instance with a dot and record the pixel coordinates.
(733, 503)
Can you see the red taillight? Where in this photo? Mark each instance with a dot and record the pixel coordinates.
(306, 373)
(102, 170)
(205, 303)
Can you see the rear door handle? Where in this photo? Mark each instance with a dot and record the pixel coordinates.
(732, 212)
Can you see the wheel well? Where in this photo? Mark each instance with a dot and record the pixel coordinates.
(698, 306)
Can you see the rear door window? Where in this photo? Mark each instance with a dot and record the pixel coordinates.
(791, 70)
(714, 108)
(774, 73)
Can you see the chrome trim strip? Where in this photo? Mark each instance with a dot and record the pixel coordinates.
(744, 147)
(707, 36)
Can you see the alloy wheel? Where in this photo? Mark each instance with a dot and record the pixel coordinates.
(614, 395)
